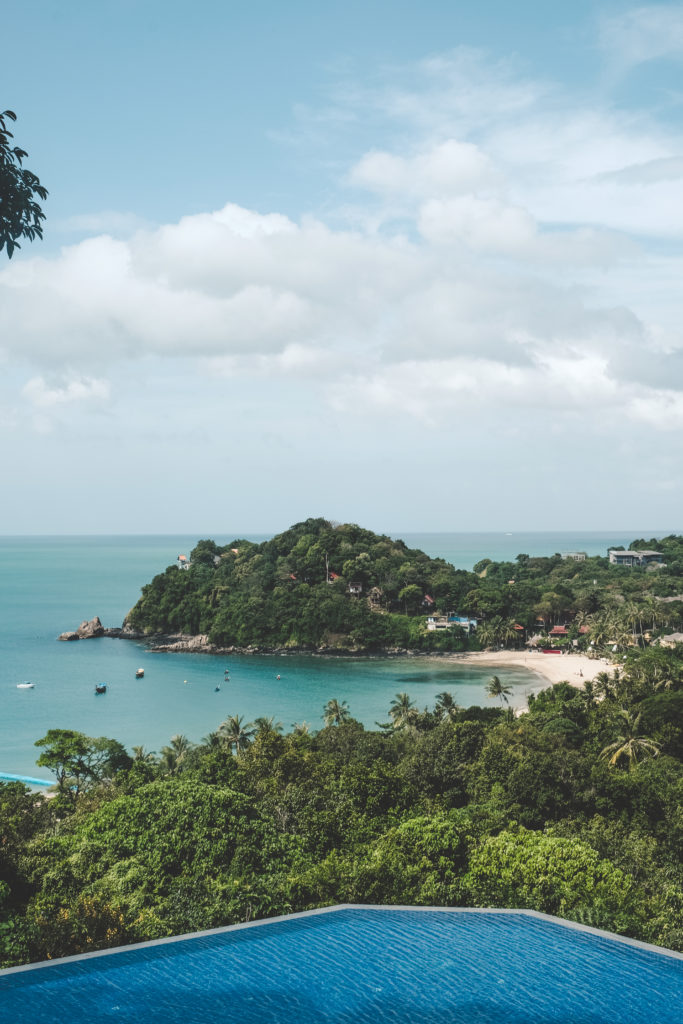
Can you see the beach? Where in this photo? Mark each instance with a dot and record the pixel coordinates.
(552, 668)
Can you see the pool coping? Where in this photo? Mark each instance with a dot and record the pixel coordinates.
(550, 918)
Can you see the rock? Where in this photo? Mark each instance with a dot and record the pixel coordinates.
(69, 636)
(89, 630)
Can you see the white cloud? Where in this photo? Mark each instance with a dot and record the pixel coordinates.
(43, 395)
(643, 33)
(447, 169)
(471, 282)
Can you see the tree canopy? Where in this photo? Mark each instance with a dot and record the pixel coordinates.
(21, 216)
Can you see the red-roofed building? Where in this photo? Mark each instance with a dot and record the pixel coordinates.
(333, 577)
(559, 631)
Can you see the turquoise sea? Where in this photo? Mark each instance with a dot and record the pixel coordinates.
(50, 584)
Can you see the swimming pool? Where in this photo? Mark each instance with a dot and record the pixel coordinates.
(378, 965)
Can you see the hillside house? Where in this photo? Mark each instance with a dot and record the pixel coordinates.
(575, 556)
(355, 588)
(635, 558)
(184, 562)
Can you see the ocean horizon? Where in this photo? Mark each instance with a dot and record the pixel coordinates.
(52, 583)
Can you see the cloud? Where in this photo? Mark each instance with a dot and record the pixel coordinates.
(43, 395)
(469, 281)
(649, 173)
(643, 34)
(449, 168)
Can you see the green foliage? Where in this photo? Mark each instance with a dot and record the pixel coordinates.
(277, 594)
(444, 805)
(553, 875)
(20, 214)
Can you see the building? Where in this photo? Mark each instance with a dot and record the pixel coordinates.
(450, 621)
(635, 558)
(575, 556)
(671, 640)
(183, 562)
(355, 588)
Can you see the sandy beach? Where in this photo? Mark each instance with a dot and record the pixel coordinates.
(552, 668)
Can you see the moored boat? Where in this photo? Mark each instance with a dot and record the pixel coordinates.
(25, 686)
(100, 687)
(140, 673)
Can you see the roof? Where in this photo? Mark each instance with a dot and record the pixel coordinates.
(558, 631)
(182, 558)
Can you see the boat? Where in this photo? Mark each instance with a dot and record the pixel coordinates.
(100, 687)
(140, 673)
(25, 686)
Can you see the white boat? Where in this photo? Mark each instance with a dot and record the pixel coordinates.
(25, 686)
(140, 673)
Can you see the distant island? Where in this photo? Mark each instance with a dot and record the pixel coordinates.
(337, 588)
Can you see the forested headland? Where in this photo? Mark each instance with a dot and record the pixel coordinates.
(573, 808)
(321, 585)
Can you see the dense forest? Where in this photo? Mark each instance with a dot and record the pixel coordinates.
(574, 808)
(338, 586)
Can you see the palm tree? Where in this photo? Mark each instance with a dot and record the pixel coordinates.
(212, 740)
(630, 744)
(145, 756)
(495, 688)
(301, 728)
(336, 712)
(264, 726)
(235, 733)
(445, 706)
(174, 754)
(402, 711)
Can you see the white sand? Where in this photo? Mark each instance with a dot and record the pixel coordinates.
(553, 668)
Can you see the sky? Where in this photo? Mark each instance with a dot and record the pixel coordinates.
(416, 266)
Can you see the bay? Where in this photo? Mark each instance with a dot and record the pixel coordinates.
(50, 584)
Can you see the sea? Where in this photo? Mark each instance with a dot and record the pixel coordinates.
(51, 584)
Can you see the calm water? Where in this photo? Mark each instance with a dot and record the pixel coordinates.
(364, 966)
(50, 584)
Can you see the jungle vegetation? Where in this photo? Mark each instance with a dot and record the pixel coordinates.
(573, 808)
(338, 586)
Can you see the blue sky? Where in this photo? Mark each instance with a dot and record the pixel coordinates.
(416, 266)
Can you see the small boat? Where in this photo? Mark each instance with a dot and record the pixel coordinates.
(100, 687)
(25, 686)
(140, 673)
(217, 689)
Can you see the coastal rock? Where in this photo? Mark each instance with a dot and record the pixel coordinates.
(73, 635)
(89, 630)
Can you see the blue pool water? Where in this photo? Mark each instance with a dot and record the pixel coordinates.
(366, 966)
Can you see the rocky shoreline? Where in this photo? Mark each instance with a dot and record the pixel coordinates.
(182, 642)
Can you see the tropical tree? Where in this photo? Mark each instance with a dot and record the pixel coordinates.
(143, 756)
(174, 754)
(445, 706)
(402, 711)
(20, 214)
(265, 726)
(496, 688)
(629, 745)
(336, 712)
(235, 733)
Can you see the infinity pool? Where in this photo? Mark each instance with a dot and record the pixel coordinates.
(366, 965)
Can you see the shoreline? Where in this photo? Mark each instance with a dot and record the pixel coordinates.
(572, 668)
